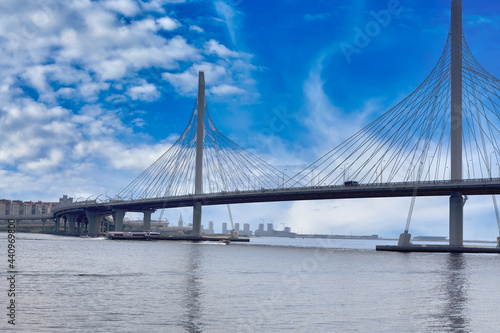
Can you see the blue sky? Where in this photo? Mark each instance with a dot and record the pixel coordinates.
(92, 92)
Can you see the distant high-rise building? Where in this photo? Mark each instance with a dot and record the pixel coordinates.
(18, 207)
(38, 208)
(3, 206)
(237, 226)
(211, 227)
(27, 208)
(224, 228)
(260, 231)
(15, 205)
(270, 227)
(246, 230)
(65, 199)
(180, 224)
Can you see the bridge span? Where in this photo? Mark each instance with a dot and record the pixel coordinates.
(94, 211)
(444, 188)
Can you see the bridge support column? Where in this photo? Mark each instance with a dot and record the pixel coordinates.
(456, 219)
(65, 223)
(197, 219)
(118, 216)
(72, 221)
(57, 225)
(98, 226)
(147, 220)
(404, 239)
(92, 218)
(103, 224)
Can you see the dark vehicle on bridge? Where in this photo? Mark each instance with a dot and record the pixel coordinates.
(351, 183)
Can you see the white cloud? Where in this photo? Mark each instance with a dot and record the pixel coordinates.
(86, 47)
(195, 28)
(112, 69)
(225, 89)
(328, 124)
(186, 83)
(83, 44)
(139, 122)
(135, 159)
(44, 165)
(125, 7)
(214, 47)
(36, 76)
(228, 15)
(228, 76)
(29, 133)
(146, 92)
(472, 20)
(157, 5)
(323, 115)
(167, 23)
(89, 56)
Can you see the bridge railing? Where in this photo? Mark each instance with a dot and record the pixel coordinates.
(60, 207)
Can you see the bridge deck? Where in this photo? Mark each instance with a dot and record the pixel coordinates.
(442, 188)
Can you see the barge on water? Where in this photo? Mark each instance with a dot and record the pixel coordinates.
(157, 236)
(133, 235)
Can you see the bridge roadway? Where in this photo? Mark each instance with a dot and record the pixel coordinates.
(434, 188)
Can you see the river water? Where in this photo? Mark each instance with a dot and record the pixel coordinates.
(67, 284)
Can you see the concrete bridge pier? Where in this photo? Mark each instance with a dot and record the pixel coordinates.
(104, 224)
(99, 223)
(65, 223)
(456, 219)
(93, 225)
(57, 224)
(197, 219)
(118, 215)
(147, 220)
(72, 220)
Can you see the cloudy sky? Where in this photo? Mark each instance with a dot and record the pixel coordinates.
(92, 92)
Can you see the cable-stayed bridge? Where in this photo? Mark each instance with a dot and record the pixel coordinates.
(439, 141)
